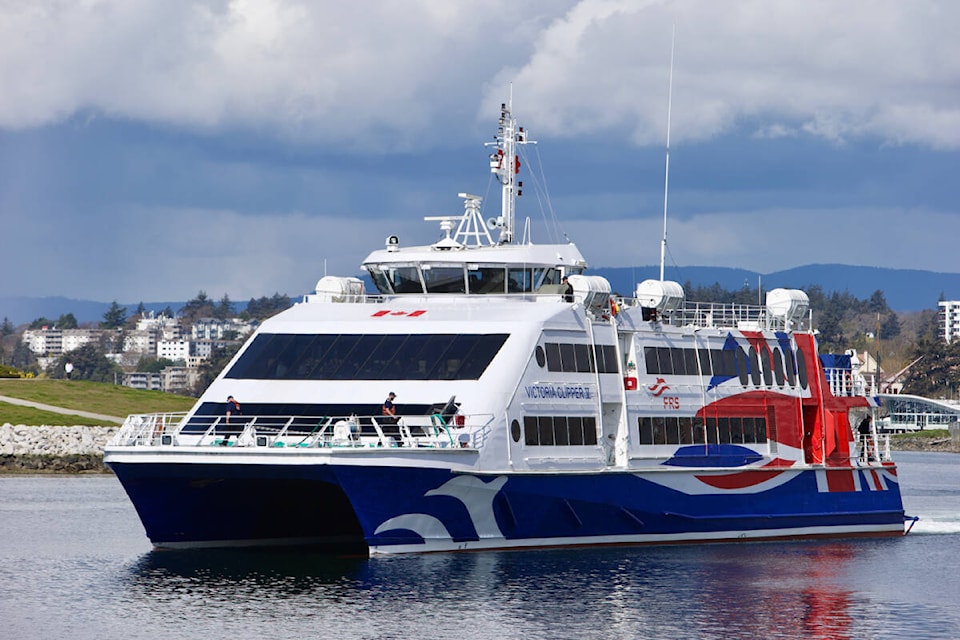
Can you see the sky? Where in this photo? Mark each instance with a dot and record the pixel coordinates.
(153, 149)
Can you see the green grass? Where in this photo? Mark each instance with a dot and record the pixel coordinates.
(95, 397)
(15, 414)
(928, 434)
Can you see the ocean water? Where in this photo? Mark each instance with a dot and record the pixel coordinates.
(75, 564)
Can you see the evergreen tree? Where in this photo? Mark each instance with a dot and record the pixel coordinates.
(199, 307)
(6, 329)
(877, 302)
(67, 321)
(114, 317)
(23, 358)
(88, 362)
(890, 327)
(224, 309)
(41, 322)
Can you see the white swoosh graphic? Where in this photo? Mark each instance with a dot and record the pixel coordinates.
(477, 496)
(425, 526)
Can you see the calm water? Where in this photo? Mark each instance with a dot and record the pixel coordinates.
(75, 564)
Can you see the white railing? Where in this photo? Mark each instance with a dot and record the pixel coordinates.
(844, 383)
(873, 447)
(281, 432)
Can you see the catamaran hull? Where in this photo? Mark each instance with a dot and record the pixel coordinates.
(385, 509)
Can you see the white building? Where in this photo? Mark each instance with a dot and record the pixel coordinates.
(949, 319)
(174, 349)
(140, 341)
(54, 342)
(214, 329)
(143, 380)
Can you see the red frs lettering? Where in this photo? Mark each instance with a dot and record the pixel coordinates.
(671, 402)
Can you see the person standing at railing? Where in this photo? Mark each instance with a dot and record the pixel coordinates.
(865, 431)
(233, 409)
(389, 410)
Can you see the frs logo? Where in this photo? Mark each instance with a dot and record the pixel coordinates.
(386, 312)
(657, 389)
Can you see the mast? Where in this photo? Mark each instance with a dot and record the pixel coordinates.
(505, 164)
(666, 175)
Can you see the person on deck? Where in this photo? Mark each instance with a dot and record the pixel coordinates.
(389, 409)
(567, 290)
(233, 409)
(865, 431)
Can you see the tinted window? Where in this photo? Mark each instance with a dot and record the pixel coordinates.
(486, 280)
(650, 358)
(531, 436)
(553, 357)
(405, 280)
(444, 280)
(568, 358)
(778, 366)
(742, 369)
(767, 367)
(483, 351)
(583, 354)
(754, 367)
(610, 359)
(665, 359)
(790, 364)
(367, 357)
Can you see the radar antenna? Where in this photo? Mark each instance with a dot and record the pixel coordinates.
(505, 164)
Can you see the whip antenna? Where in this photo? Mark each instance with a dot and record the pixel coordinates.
(666, 174)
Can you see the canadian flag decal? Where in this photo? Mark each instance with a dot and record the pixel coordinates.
(386, 312)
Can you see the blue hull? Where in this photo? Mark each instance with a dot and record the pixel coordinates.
(403, 509)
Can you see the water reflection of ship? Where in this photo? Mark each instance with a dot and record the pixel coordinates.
(799, 589)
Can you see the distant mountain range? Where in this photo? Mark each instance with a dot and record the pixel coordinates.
(904, 289)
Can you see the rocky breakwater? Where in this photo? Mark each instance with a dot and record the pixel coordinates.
(53, 449)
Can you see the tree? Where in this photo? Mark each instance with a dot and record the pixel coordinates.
(263, 308)
(88, 362)
(23, 358)
(67, 321)
(224, 309)
(114, 317)
(890, 327)
(41, 322)
(877, 302)
(6, 329)
(199, 307)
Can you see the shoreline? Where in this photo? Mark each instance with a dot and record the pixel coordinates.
(79, 449)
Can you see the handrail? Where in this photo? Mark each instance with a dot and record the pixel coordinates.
(275, 431)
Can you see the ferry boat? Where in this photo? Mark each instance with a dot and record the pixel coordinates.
(533, 408)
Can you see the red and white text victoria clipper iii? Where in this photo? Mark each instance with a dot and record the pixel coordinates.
(533, 408)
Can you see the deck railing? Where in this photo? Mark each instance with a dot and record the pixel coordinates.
(874, 447)
(279, 432)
